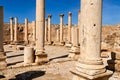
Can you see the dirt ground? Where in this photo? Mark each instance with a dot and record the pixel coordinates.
(57, 69)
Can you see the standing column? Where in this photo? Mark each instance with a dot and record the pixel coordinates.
(75, 50)
(69, 27)
(61, 29)
(11, 29)
(26, 31)
(15, 29)
(3, 63)
(90, 65)
(34, 30)
(41, 57)
(79, 24)
(49, 29)
(46, 30)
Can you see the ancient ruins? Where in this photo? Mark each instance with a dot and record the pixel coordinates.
(41, 50)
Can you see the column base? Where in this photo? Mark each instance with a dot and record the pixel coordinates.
(15, 43)
(3, 63)
(59, 43)
(55, 43)
(41, 58)
(74, 53)
(81, 76)
(26, 42)
(62, 43)
(12, 43)
(68, 44)
(105, 54)
(49, 43)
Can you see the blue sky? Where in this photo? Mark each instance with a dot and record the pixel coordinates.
(26, 9)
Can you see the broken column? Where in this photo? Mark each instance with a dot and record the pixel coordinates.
(75, 50)
(41, 57)
(49, 29)
(3, 63)
(61, 29)
(28, 55)
(15, 30)
(46, 30)
(26, 31)
(11, 30)
(90, 65)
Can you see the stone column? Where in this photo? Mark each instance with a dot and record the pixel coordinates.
(58, 35)
(90, 65)
(69, 27)
(46, 30)
(15, 29)
(26, 31)
(34, 30)
(61, 28)
(3, 63)
(75, 50)
(49, 28)
(41, 57)
(11, 29)
(79, 24)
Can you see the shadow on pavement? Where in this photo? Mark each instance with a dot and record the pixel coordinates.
(64, 56)
(30, 75)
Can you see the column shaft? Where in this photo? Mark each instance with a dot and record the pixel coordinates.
(3, 63)
(58, 35)
(69, 26)
(46, 30)
(11, 29)
(15, 29)
(26, 30)
(40, 19)
(61, 28)
(74, 35)
(34, 30)
(1, 28)
(79, 24)
(49, 29)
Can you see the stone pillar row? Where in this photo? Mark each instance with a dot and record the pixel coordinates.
(14, 30)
